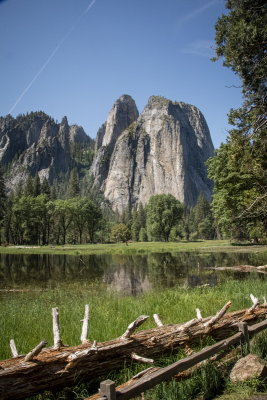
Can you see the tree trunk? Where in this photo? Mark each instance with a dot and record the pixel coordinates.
(55, 368)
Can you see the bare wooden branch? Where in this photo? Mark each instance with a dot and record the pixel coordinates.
(34, 352)
(255, 302)
(187, 325)
(253, 298)
(144, 360)
(85, 324)
(94, 346)
(199, 316)
(56, 330)
(13, 348)
(218, 315)
(134, 325)
(157, 320)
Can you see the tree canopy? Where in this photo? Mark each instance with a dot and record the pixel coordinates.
(163, 213)
(239, 168)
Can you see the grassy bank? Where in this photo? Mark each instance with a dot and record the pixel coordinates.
(26, 317)
(135, 248)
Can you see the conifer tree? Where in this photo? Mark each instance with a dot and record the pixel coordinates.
(73, 186)
(2, 195)
(45, 187)
(36, 186)
(28, 188)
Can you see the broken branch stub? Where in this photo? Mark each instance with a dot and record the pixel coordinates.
(138, 358)
(85, 324)
(255, 302)
(56, 330)
(199, 316)
(157, 320)
(13, 348)
(34, 352)
(218, 316)
(133, 326)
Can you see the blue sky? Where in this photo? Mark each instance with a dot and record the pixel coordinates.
(76, 57)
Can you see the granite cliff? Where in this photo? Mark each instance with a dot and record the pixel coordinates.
(161, 151)
(35, 143)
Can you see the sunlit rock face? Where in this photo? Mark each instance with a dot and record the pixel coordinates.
(123, 113)
(35, 144)
(164, 150)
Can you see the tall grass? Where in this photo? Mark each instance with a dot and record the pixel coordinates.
(26, 317)
(134, 248)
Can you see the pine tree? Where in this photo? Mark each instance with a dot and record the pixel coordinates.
(2, 196)
(28, 188)
(45, 187)
(73, 186)
(36, 186)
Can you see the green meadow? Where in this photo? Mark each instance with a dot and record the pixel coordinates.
(26, 317)
(136, 247)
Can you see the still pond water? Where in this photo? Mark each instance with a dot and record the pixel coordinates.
(128, 274)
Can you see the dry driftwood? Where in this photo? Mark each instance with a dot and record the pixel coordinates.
(262, 269)
(55, 368)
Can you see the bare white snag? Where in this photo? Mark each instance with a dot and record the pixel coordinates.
(85, 321)
(218, 315)
(134, 325)
(255, 302)
(157, 320)
(199, 316)
(135, 357)
(34, 352)
(13, 348)
(56, 330)
(187, 325)
(74, 358)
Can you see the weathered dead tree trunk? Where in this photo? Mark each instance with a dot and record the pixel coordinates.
(55, 368)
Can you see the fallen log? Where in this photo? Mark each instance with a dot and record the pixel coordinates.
(261, 269)
(53, 368)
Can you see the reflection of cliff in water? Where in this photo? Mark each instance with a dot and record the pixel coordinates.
(130, 274)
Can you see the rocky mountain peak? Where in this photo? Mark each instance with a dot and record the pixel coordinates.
(64, 121)
(35, 144)
(163, 151)
(122, 114)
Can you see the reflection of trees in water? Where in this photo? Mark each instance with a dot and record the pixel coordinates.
(26, 269)
(132, 274)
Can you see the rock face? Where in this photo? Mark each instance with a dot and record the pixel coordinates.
(248, 367)
(34, 143)
(162, 151)
(123, 113)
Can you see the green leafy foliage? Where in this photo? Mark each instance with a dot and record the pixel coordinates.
(163, 213)
(239, 168)
(120, 233)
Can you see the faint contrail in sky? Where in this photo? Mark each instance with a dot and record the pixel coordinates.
(52, 55)
(197, 11)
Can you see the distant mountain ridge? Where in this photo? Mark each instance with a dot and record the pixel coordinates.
(35, 144)
(162, 150)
